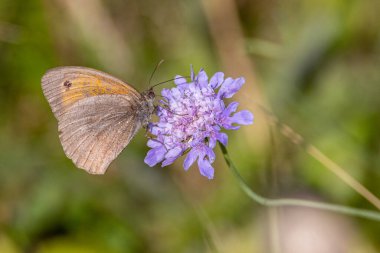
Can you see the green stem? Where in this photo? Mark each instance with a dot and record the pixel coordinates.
(372, 215)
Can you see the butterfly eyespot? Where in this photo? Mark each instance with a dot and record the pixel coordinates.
(67, 84)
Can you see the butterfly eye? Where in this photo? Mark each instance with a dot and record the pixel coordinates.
(151, 94)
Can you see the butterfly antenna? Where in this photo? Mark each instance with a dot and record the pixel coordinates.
(155, 69)
(169, 81)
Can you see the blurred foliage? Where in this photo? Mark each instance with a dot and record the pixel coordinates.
(317, 62)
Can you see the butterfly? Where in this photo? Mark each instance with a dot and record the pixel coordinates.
(97, 114)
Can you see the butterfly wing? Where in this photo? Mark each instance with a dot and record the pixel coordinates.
(97, 114)
(95, 130)
(64, 86)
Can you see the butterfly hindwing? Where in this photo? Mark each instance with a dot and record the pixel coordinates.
(95, 130)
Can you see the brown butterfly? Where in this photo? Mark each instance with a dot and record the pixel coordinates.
(97, 114)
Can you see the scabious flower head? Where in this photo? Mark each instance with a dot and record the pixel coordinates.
(192, 116)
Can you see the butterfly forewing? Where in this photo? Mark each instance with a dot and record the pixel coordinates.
(97, 114)
(64, 86)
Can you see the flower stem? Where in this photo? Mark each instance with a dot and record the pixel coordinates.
(314, 152)
(362, 213)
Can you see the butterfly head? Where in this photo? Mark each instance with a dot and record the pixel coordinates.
(149, 95)
(147, 108)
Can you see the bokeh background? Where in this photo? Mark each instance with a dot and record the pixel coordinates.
(314, 63)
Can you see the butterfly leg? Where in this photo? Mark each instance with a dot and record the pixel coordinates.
(148, 132)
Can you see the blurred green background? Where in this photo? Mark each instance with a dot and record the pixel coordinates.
(314, 63)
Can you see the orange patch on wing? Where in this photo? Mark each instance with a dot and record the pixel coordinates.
(86, 86)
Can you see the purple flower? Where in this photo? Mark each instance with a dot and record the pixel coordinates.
(191, 117)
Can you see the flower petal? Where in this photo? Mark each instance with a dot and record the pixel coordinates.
(216, 80)
(154, 143)
(228, 89)
(155, 156)
(230, 108)
(210, 153)
(205, 168)
(166, 94)
(223, 88)
(191, 72)
(168, 161)
(172, 155)
(244, 117)
(179, 80)
(212, 142)
(202, 76)
(222, 138)
(176, 93)
(190, 158)
(230, 127)
(174, 152)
